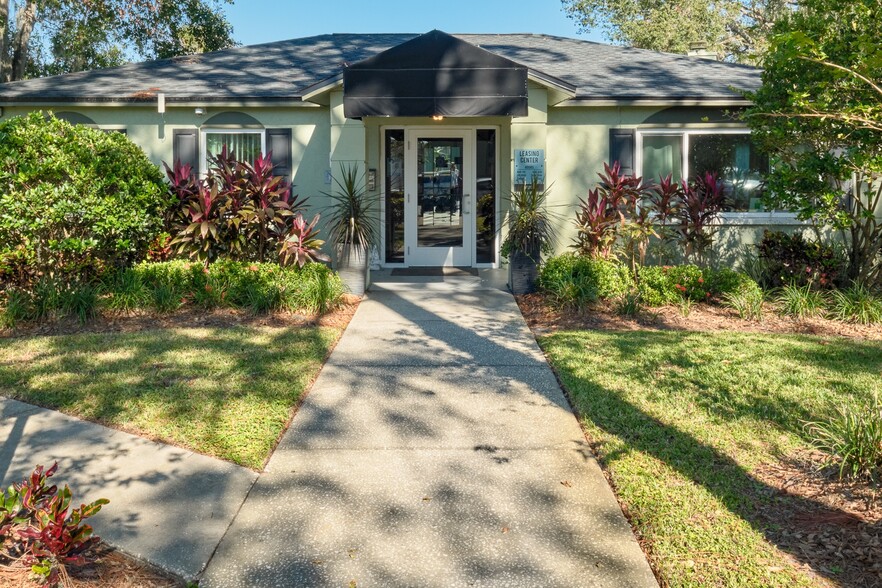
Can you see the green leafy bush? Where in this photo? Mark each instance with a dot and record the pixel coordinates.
(75, 200)
(670, 284)
(852, 441)
(575, 280)
(661, 285)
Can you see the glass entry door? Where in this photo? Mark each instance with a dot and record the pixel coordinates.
(440, 191)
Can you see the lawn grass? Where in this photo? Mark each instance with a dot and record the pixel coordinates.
(225, 392)
(681, 419)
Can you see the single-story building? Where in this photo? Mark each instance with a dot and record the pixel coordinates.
(442, 125)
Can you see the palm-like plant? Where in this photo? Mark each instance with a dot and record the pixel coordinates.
(530, 230)
(352, 210)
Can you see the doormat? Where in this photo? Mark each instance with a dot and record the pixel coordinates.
(430, 272)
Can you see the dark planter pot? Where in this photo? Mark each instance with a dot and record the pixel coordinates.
(523, 269)
(353, 266)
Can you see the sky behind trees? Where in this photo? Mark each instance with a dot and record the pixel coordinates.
(261, 21)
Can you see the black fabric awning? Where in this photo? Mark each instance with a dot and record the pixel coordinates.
(435, 74)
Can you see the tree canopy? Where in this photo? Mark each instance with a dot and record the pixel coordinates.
(732, 29)
(819, 114)
(46, 37)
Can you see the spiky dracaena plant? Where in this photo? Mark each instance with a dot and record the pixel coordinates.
(530, 230)
(352, 212)
(702, 201)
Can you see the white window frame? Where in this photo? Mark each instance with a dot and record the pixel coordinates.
(729, 218)
(203, 143)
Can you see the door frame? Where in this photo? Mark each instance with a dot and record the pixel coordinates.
(471, 134)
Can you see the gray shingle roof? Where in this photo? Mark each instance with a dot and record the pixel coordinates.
(282, 70)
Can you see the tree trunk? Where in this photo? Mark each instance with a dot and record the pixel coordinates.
(4, 40)
(24, 26)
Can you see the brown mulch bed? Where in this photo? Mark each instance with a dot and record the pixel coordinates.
(544, 319)
(185, 318)
(833, 527)
(112, 569)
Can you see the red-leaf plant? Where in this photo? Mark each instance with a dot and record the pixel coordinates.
(665, 199)
(38, 527)
(239, 210)
(301, 244)
(702, 201)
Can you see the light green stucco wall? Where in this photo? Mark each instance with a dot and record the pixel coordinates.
(575, 140)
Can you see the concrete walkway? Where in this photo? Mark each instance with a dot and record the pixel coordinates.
(434, 450)
(167, 505)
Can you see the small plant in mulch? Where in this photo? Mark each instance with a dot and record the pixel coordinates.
(39, 529)
(852, 441)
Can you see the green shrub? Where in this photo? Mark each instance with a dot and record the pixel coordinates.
(575, 280)
(722, 281)
(661, 285)
(258, 287)
(791, 259)
(75, 200)
(856, 304)
(852, 441)
(800, 301)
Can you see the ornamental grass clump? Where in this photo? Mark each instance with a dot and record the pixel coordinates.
(747, 303)
(852, 441)
(800, 302)
(856, 304)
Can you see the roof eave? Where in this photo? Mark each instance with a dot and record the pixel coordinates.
(645, 101)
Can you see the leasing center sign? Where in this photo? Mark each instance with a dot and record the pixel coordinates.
(529, 164)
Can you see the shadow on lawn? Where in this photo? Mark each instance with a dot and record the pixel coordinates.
(188, 379)
(775, 514)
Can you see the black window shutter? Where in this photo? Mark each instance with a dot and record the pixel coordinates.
(621, 149)
(185, 148)
(278, 142)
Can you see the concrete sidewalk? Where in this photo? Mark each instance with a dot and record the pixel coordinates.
(168, 505)
(434, 450)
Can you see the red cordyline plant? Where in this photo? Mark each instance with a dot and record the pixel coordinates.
(239, 210)
(615, 208)
(664, 200)
(39, 528)
(301, 245)
(701, 203)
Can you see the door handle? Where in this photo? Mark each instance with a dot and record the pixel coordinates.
(465, 204)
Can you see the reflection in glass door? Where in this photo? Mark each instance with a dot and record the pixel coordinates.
(440, 182)
(439, 193)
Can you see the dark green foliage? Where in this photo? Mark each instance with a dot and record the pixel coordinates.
(574, 281)
(791, 259)
(530, 230)
(747, 303)
(818, 114)
(258, 287)
(75, 201)
(38, 527)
